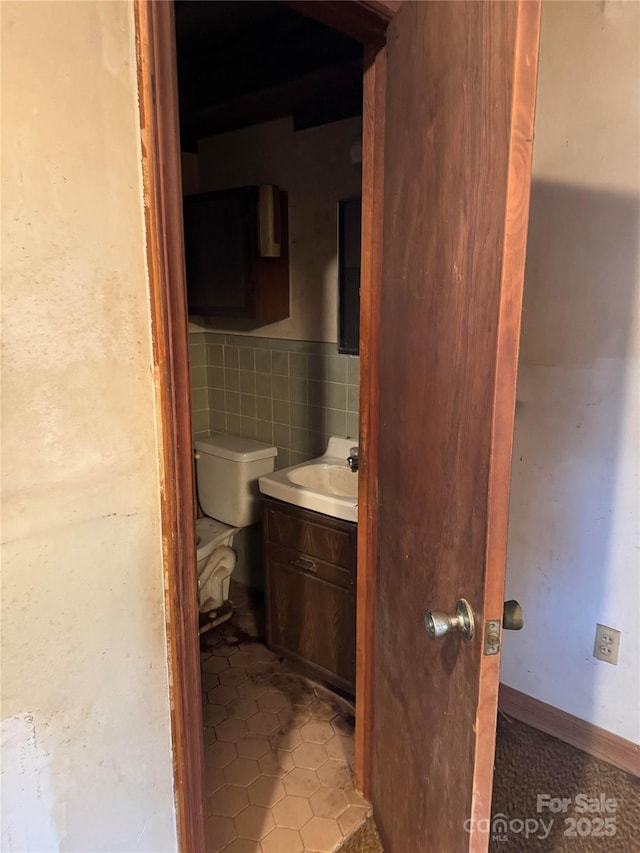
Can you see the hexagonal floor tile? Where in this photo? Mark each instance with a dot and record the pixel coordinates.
(301, 783)
(242, 660)
(318, 731)
(282, 841)
(263, 723)
(241, 708)
(343, 726)
(335, 773)
(352, 818)
(219, 832)
(341, 747)
(311, 756)
(241, 771)
(213, 714)
(222, 694)
(286, 740)
(292, 812)
(209, 680)
(225, 650)
(276, 763)
(215, 665)
(233, 676)
(259, 651)
(265, 791)
(254, 823)
(273, 702)
(321, 834)
(354, 798)
(253, 746)
(231, 730)
(294, 717)
(220, 754)
(260, 667)
(213, 778)
(228, 801)
(243, 845)
(321, 710)
(252, 689)
(328, 802)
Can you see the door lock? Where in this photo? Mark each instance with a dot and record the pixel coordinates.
(438, 623)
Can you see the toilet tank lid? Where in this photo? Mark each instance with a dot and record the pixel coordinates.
(234, 447)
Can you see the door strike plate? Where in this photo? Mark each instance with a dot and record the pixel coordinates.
(492, 637)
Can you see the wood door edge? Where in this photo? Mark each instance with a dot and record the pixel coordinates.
(157, 88)
(373, 124)
(585, 736)
(513, 263)
(363, 20)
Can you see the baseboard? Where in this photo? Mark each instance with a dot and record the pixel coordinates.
(591, 739)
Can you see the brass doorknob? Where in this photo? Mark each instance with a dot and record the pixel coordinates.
(438, 623)
(512, 616)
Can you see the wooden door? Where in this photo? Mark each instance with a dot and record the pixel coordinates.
(460, 93)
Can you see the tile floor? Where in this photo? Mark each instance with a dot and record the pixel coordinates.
(278, 748)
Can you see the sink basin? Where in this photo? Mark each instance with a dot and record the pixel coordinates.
(326, 477)
(325, 484)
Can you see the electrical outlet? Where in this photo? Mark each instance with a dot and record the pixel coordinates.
(607, 644)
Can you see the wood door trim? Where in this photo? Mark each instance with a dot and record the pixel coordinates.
(510, 310)
(601, 744)
(363, 20)
(157, 86)
(373, 128)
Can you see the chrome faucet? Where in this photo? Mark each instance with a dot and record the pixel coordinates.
(352, 459)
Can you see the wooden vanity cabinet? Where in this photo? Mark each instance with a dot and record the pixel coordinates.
(311, 591)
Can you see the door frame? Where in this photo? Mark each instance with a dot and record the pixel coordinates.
(365, 20)
(162, 187)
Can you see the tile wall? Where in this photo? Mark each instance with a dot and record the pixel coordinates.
(293, 394)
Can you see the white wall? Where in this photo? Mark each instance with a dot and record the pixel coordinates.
(314, 166)
(573, 540)
(87, 760)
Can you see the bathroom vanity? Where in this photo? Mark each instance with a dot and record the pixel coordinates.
(310, 561)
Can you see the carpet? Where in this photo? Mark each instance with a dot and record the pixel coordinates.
(530, 763)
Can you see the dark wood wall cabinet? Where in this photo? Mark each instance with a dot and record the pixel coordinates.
(311, 584)
(226, 274)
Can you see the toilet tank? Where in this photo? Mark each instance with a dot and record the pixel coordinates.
(227, 471)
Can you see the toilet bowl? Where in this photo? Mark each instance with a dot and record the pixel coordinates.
(212, 537)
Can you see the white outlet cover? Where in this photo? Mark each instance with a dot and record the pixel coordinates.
(607, 644)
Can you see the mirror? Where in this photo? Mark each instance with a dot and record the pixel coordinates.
(349, 228)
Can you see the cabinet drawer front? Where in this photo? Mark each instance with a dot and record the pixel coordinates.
(314, 619)
(328, 540)
(303, 562)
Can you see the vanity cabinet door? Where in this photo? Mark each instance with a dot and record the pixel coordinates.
(313, 622)
(311, 606)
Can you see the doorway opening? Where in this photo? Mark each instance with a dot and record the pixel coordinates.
(270, 113)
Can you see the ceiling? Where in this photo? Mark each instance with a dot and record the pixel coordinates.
(241, 63)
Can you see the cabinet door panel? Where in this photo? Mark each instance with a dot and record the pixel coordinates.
(315, 620)
(220, 241)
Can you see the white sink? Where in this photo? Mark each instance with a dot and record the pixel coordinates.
(325, 484)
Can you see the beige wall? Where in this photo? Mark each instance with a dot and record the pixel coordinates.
(314, 166)
(573, 538)
(87, 762)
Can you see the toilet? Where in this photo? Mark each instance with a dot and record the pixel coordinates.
(227, 471)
